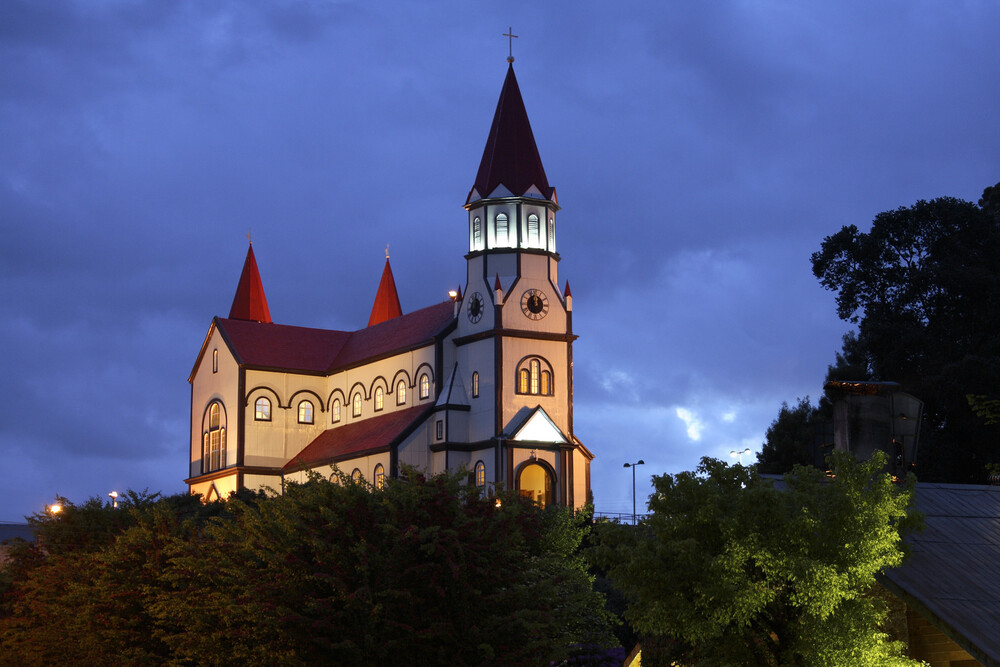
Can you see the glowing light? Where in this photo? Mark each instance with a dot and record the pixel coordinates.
(55, 508)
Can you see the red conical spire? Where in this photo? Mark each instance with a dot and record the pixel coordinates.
(386, 304)
(511, 158)
(250, 302)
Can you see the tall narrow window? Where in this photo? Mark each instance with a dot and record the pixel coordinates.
(535, 372)
(215, 360)
(439, 428)
(335, 411)
(546, 388)
(214, 439)
(522, 381)
(400, 392)
(425, 386)
(379, 399)
(480, 474)
(533, 230)
(552, 234)
(503, 237)
(356, 408)
(477, 233)
(305, 412)
(379, 476)
(475, 384)
(262, 410)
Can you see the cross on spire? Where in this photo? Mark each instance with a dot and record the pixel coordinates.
(510, 43)
(387, 251)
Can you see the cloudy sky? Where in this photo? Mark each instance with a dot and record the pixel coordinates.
(701, 152)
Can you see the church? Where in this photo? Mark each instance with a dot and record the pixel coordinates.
(482, 382)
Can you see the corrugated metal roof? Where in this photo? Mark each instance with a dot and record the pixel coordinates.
(952, 573)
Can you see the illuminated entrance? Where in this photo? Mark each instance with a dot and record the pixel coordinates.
(535, 482)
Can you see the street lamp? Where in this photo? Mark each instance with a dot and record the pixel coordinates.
(632, 466)
(739, 455)
(114, 499)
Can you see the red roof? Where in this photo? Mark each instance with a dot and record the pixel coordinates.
(511, 156)
(386, 304)
(358, 438)
(250, 302)
(323, 351)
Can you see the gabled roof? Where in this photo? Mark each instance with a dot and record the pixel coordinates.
(454, 393)
(510, 159)
(367, 436)
(952, 573)
(250, 302)
(534, 425)
(386, 304)
(396, 335)
(323, 351)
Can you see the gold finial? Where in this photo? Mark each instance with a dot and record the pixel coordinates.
(249, 240)
(510, 44)
(387, 251)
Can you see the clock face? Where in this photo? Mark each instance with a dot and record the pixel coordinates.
(476, 307)
(534, 304)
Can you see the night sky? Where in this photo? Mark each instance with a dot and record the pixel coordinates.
(701, 152)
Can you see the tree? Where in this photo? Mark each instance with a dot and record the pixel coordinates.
(790, 439)
(424, 570)
(923, 287)
(732, 569)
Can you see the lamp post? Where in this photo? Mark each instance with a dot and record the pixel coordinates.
(739, 455)
(632, 466)
(114, 499)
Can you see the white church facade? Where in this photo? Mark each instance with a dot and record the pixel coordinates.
(482, 381)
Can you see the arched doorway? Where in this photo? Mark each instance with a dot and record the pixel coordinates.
(535, 482)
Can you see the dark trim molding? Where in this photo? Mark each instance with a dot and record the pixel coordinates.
(516, 333)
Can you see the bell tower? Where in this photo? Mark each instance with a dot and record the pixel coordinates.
(514, 328)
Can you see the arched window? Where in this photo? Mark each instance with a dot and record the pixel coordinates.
(475, 384)
(356, 476)
(215, 360)
(533, 230)
(400, 392)
(262, 410)
(477, 233)
(214, 439)
(335, 411)
(379, 476)
(480, 474)
(502, 233)
(534, 376)
(379, 399)
(356, 407)
(305, 412)
(425, 386)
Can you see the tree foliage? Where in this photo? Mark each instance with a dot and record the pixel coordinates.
(731, 569)
(923, 288)
(423, 571)
(789, 439)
